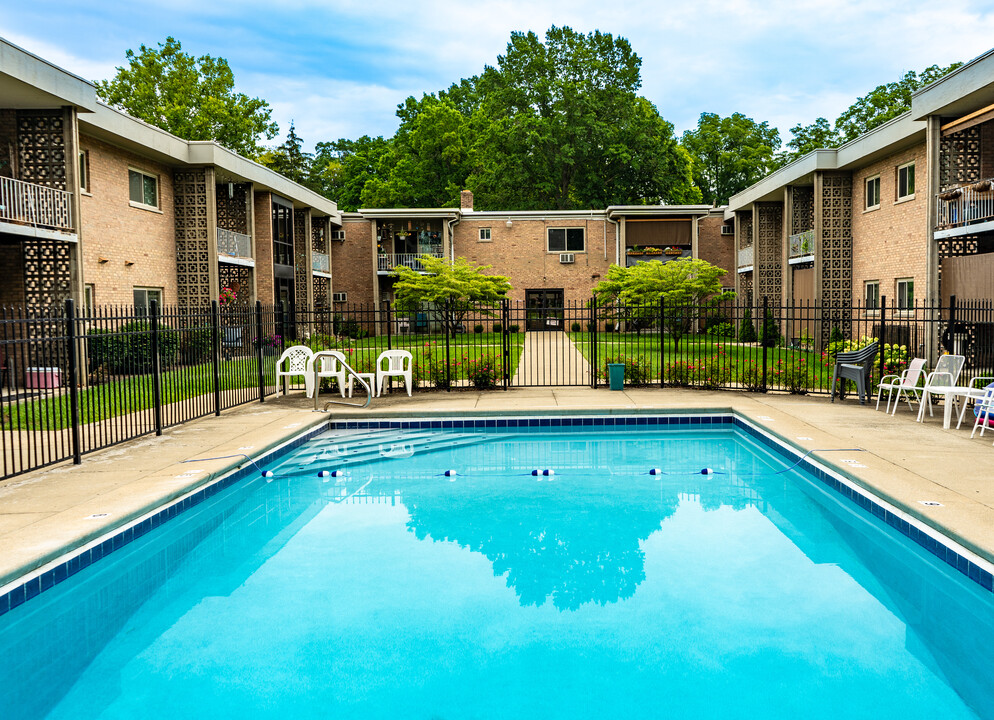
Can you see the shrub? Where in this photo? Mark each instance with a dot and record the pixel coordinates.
(679, 373)
(723, 330)
(835, 335)
(747, 331)
(478, 329)
(349, 328)
(129, 348)
(638, 369)
(196, 345)
(514, 328)
(893, 358)
(434, 371)
(793, 376)
(609, 326)
(576, 327)
(484, 373)
(498, 328)
(751, 377)
(771, 330)
(715, 372)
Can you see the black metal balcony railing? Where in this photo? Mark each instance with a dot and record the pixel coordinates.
(386, 262)
(25, 203)
(965, 205)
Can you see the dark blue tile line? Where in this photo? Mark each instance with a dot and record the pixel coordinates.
(536, 422)
(74, 564)
(866, 502)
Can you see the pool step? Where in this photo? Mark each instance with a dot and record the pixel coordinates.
(349, 449)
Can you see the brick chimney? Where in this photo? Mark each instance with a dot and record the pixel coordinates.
(466, 200)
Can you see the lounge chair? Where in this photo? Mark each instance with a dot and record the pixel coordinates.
(329, 366)
(984, 410)
(946, 374)
(906, 384)
(298, 359)
(855, 365)
(398, 364)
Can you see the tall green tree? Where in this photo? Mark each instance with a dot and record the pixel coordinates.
(560, 125)
(193, 98)
(342, 168)
(886, 102)
(289, 159)
(730, 154)
(817, 135)
(449, 290)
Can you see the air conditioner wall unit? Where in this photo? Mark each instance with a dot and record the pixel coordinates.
(338, 235)
(567, 258)
(339, 297)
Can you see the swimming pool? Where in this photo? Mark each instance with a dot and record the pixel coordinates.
(598, 590)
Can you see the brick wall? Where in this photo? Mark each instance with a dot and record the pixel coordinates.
(263, 223)
(519, 252)
(716, 248)
(890, 242)
(115, 231)
(352, 263)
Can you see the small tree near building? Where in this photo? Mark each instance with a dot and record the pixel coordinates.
(448, 290)
(687, 286)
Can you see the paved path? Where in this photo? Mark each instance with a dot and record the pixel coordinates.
(550, 358)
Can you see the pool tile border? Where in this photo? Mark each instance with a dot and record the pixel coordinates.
(51, 574)
(945, 549)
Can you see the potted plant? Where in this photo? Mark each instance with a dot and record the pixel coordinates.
(635, 250)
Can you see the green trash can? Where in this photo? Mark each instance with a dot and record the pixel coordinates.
(616, 375)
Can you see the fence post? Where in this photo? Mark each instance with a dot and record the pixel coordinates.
(762, 337)
(448, 329)
(592, 334)
(216, 354)
(258, 350)
(505, 340)
(662, 340)
(389, 329)
(73, 380)
(156, 366)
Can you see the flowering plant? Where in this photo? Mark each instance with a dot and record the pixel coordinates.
(228, 296)
(268, 341)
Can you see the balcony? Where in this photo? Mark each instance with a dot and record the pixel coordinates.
(30, 209)
(234, 248)
(802, 247)
(320, 262)
(385, 262)
(965, 210)
(745, 257)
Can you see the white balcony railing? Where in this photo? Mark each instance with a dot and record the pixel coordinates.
(233, 243)
(320, 262)
(388, 261)
(25, 203)
(802, 244)
(965, 205)
(745, 256)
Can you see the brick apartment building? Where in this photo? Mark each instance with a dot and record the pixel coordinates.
(904, 212)
(104, 208)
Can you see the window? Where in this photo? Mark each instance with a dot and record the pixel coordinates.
(872, 295)
(84, 171)
(906, 295)
(143, 189)
(906, 181)
(484, 234)
(144, 297)
(282, 232)
(873, 192)
(566, 240)
(88, 299)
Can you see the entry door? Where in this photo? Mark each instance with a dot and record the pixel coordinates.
(544, 309)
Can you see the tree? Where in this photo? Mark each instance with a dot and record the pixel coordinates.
(193, 98)
(289, 160)
(686, 285)
(342, 168)
(747, 331)
(559, 125)
(730, 154)
(449, 290)
(885, 102)
(817, 135)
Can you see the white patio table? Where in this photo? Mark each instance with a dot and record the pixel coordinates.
(951, 395)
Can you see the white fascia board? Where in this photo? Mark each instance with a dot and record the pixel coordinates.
(384, 213)
(46, 77)
(884, 140)
(636, 210)
(770, 187)
(729, 214)
(967, 88)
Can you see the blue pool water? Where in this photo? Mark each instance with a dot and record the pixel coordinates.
(597, 592)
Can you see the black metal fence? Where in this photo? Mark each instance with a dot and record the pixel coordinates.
(137, 372)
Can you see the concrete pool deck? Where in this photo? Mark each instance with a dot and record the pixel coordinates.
(49, 512)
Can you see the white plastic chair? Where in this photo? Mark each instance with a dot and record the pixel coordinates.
(906, 383)
(329, 366)
(298, 359)
(985, 412)
(946, 374)
(398, 364)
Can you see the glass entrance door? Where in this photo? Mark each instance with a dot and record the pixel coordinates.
(544, 309)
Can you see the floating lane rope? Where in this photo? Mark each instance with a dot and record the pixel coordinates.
(709, 471)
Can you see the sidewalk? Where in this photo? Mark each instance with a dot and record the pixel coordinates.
(48, 512)
(550, 358)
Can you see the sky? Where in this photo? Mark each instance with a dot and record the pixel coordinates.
(339, 68)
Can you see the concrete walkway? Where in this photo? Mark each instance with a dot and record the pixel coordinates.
(46, 513)
(550, 358)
